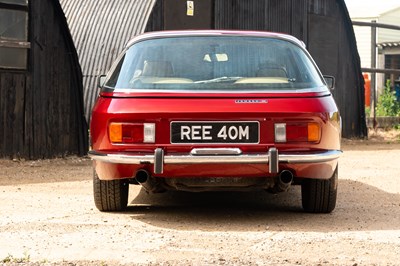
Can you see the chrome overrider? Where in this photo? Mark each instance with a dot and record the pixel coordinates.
(217, 156)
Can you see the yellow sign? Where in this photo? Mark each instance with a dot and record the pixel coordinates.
(190, 8)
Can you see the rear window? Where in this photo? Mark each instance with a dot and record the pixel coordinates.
(215, 63)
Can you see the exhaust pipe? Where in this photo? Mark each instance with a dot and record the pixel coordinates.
(144, 178)
(285, 179)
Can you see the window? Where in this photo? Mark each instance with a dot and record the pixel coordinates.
(14, 43)
(216, 63)
(16, 2)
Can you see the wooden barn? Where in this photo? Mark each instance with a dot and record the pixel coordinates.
(41, 102)
(101, 28)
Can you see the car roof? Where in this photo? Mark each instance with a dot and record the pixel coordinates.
(186, 33)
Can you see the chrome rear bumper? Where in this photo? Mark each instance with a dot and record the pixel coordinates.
(217, 156)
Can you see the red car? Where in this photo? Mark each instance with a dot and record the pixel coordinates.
(215, 110)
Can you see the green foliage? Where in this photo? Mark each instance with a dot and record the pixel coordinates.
(12, 259)
(367, 111)
(388, 104)
(7, 259)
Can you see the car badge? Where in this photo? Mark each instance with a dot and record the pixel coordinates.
(251, 101)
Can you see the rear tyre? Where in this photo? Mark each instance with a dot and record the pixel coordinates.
(319, 196)
(110, 195)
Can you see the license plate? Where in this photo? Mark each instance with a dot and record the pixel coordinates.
(215, 132)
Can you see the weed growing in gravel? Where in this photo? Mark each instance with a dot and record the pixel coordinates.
(388, 104)
(11, 259)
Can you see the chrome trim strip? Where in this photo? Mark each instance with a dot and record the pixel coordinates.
(216, 151)
(215, 159)
(319, 89)
(121, 158)
(315, 157)
(310, 157)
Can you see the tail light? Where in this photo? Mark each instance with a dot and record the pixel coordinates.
(297, 132)
(131, 132)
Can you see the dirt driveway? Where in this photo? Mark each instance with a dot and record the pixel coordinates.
(47, 216)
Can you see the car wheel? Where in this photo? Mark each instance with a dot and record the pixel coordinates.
(319, 196)
(110, 195)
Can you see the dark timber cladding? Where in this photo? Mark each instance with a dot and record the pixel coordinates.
(41, 105)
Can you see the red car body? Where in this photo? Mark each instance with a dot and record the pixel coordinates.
(223, 139)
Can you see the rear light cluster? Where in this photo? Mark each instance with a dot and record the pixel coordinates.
(297, 132)
(132, 132)
(145, 132)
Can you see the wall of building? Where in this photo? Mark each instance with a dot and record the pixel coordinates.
(363, 38)
(41, 106)
(392, 18)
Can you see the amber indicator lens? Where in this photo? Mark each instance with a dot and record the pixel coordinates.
(297, 132)
(132, 132)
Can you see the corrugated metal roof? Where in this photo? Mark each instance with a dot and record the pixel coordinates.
(100, 29)
(389, 45)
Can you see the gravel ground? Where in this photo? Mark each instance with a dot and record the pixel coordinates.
(47, 216)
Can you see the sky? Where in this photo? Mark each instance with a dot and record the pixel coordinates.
(368, 8)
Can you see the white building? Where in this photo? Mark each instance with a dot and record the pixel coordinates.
(388, 40)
